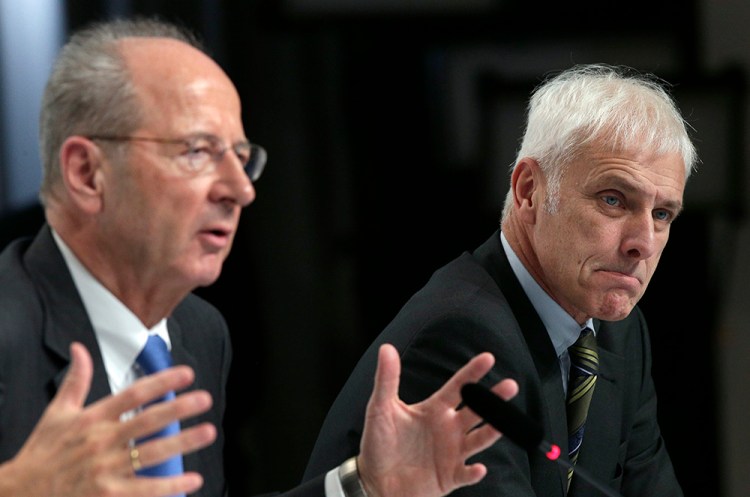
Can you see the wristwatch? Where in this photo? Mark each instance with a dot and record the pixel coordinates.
(349, 478)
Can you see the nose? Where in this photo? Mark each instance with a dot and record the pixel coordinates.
(232, 185)
(640, 238)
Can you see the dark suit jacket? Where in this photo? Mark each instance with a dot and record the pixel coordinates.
(476, 304)
(41, 313)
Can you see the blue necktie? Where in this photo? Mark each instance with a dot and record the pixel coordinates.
(155, 357)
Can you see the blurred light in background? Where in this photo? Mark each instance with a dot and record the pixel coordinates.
(31, 32)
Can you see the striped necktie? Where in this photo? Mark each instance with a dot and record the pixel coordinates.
(154, 357)
(584, 369)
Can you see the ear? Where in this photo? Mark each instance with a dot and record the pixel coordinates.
(527, 182)
(81, 168)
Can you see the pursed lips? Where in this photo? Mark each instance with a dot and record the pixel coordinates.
(629, 274)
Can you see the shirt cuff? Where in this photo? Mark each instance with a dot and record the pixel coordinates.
(333, 484)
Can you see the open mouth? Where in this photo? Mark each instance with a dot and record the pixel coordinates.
(215, 237)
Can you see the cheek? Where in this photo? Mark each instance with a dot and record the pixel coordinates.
(559, 258)
(651, 265)
(166, 222)
(566, 236)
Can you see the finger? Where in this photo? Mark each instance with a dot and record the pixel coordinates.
(480, 439)
(471, 372)
(189, 440)
(471, 474)
(144, 486)
(157, 416)
(467, 418)
(77, 381)
(506, 389)
(386, 375)
(143, 391)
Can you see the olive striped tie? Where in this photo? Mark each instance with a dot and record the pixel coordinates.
(584, 368)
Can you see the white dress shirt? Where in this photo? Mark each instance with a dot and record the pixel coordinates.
(119, 333)
(122, 336)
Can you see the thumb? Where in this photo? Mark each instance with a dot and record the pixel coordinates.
(386, 375)
(77, 382)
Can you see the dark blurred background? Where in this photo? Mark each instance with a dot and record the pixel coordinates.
(390, 127)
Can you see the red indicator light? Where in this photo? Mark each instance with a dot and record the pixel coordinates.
(553, 453)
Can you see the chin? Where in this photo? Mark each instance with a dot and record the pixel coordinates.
(615, 308)
(208, 268)
(206, 276)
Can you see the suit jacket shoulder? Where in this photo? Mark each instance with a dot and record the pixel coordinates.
(475, 304)
(41, 313)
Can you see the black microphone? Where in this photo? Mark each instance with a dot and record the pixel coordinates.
(520, 428)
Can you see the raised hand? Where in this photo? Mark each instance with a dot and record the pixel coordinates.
(77, 451)
(420, 450)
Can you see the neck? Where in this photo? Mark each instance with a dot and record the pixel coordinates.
(144, 292)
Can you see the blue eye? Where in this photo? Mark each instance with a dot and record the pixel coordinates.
(662, 215)
(611, 200)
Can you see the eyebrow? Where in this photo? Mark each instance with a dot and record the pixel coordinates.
(631, 189)
(211, 136)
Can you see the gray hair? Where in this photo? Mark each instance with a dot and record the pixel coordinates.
(608, 106)
(90, 89)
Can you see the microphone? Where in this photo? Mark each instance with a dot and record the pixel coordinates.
(520, 428)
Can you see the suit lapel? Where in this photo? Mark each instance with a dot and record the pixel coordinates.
(180, 354)
(599, 453)
(540, 346)
(66, 319)
(65, 316)
(601, 440)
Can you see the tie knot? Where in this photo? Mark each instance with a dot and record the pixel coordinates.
(155, 355)
(586, 337)
(584, 356)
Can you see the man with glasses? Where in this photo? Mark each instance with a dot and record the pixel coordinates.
(146, 170)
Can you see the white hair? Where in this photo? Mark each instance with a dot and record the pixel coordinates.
(613, 107)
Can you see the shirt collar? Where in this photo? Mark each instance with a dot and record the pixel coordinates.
(563, 330)
(119, 332)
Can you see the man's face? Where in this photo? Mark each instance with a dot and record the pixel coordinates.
(598, 252)
(171, 225)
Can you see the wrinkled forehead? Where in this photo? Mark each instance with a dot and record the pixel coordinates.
(649, 168)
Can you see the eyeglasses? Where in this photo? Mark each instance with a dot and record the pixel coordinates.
(203, 153)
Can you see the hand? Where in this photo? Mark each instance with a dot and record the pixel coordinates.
(84, 452)
(420, 450)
